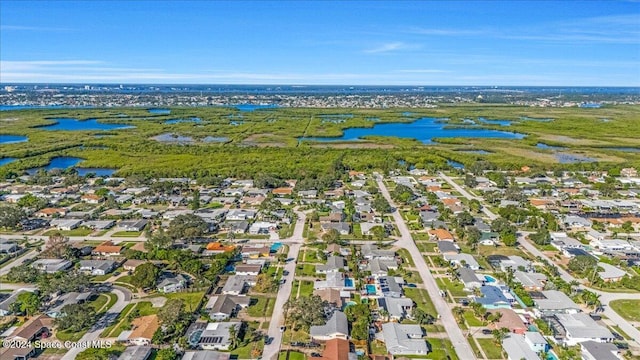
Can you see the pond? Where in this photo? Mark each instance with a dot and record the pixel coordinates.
(544, 146)
(71, 124)
(213, 139)
(5, 161)
(455, 164)
(60, 162)
(158, 111)
(495, 122)
(12, 139)
(173, 138)
(195, 120)
(424, 130)
(253, 107)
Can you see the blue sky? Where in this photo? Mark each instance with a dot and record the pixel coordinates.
(572, 43)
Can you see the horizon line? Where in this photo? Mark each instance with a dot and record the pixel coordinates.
(306, 85)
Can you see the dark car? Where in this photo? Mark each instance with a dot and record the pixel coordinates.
(285, 273)
(268, 341)
(617, 336)
(487, 332)
(315, 354)
(621, 345)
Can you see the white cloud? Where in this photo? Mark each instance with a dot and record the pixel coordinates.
(390, 47)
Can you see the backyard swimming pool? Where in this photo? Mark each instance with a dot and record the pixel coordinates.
(490, 279)
(371, 289)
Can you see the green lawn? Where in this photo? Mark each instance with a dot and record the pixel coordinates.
(306, 289)
(426, 246)
(81, 231)
(191, 299)
(261, 307)
(99, 302)
(70, 335)
(406, 257)
(440, 349)
(490, 348)
(471, 319)
(378, 348)
(306, 270)
(422, 299)
(456, 288)
(126, 234)
(628, 309)
(291, 355)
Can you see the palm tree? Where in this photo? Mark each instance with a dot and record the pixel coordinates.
(458, 312)
(573, 286)
(233, 336)
(499, 335)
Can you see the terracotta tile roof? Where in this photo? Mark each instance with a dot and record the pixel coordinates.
(450, 201)
(441, 234)
(283, 191)
(51, 211)
(336, 349)
(539, 202)
(108, 247)
(217, 246)
(144, 327)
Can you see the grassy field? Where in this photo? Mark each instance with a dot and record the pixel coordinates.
(490, 348)
(628, 309)
(270, 138)
(263, 306)
(441, 349)
(421, 298)
(291, 355)
(126, 234)
(81, 231)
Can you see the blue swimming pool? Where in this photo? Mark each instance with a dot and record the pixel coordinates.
(490, 279)
(275, 247)
(371, 289)
(348, 282)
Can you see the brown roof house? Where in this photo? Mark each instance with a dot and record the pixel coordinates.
(143, 329)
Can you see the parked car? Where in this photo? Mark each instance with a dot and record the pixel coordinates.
(487, 331)
(282, 328)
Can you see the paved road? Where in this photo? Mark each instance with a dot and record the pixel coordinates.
(466, 194)
(101, 324)
(18, 261)
(295, 242)
(605, 297)
(462, 347)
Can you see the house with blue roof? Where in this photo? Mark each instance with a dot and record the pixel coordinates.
(493, 298)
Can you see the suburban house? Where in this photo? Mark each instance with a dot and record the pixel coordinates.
(336, 327)
(536, 341)
(371, 251)
(404, 339)
(592, 350)
(555, 302)
(136, 353)
(216, 335)
(493, 298)
(33, 329)
(462, 260)
(133, 225)
(132, 264)
(248, 269)
(5, 304)
(51, 265)
(337, 349)
(531, 281)
(580, 327)
(470, 279)
(380, 267)
(97, 267)
(223, 307)
(448, 247)
(397, 308)
(172, 283)
(610, 273)
(206, 355)
(143, 329)
(55, 310)
(390, 286)
(441, 235)
(66, 224)
(332, 296)
(510, 320)
(334, 263)
(107, 248)
(237, 284)
(517, 349)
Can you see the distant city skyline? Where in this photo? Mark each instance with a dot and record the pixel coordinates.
(502, 43)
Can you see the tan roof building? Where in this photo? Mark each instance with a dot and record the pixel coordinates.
(143, 329)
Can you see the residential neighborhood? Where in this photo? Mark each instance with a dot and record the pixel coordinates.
(468, 264)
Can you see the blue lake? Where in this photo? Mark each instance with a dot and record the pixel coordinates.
(12, 139)
(5, 161)
(455, 164)
(495, 122)
(60, 162)
(424, 130)
(70, 124)
(159, 111)
(253, 107)
(544, 146)
(195, 120)
(100, 172)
